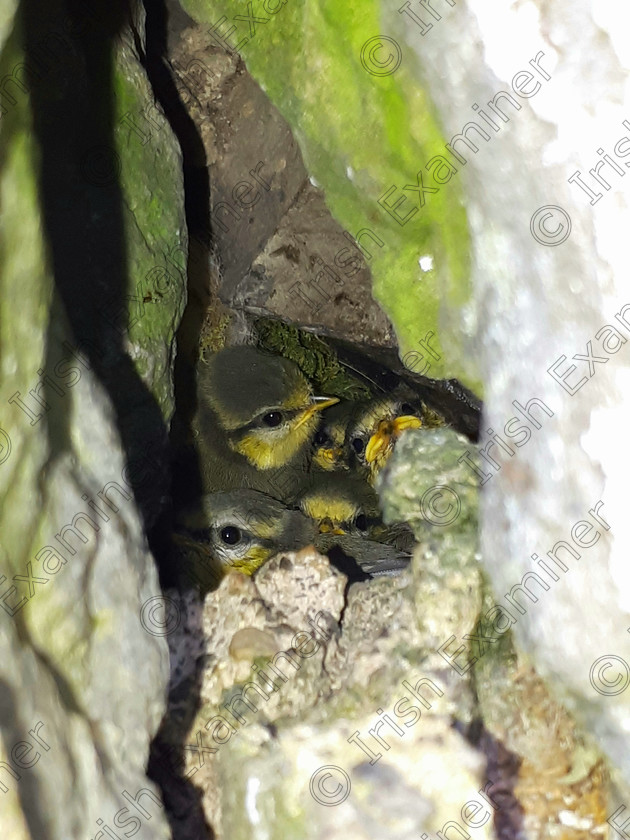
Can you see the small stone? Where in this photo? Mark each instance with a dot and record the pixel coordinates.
(250, 642)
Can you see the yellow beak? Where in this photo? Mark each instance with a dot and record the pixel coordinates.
(326, 526)
(318, 404)
(331, 455)
(387, 433)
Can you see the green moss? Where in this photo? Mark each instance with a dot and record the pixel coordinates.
(315, 358)
(212, 338)
(154, 233)
(361, 136)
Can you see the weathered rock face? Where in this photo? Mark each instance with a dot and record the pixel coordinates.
(364, 125)
(88, 309)
(384, 709)
(523, 118)
(282, 253)
(549, 291)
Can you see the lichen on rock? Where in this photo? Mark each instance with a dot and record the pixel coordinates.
(88, 311)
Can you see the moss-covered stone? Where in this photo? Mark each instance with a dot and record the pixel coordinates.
(316, 359)
(364, 138)
(81, 396)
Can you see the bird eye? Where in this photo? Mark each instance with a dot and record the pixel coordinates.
(321, 438)
(273, 418)
(361, 522)
(358, 445)
(230, 535)
(407, 409)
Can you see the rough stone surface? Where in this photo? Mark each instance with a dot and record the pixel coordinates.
(540, 306)
(281, 252)
(88, 307)
(310, 275)
(554, 778)
(257, 784)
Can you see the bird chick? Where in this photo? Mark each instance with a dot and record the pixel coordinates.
(240, 530)
(255, 421)
(345, 511)
(340, 504)
(343, 504)
(328, 444)
(374, 430)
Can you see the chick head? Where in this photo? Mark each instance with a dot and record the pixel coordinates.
(263, 403)
(241, 530)
(374, 430)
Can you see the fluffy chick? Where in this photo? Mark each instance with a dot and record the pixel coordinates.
(239, 531)
(255, 421)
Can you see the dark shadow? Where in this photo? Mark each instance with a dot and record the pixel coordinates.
(500, 779)
(69, 59)
(26, 784)
(164, 20)
(70, 48)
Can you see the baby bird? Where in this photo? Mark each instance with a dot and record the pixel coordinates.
(239, 530)
(343, 504)
(374, 430)
(340, 504)
(328, 444)
(255, 422)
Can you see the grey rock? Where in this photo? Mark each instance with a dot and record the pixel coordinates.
(310, 274)
(83, 668)
(538, 306)
(281, 252)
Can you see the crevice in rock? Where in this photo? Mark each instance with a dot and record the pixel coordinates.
(181, 798)
(197, 203)
(83, 220)
(217, 146)
(500, 779)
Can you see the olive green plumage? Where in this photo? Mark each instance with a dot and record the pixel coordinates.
(282, 469)
(329, 449)
(255, 420)
(238, 531)
(344, 504)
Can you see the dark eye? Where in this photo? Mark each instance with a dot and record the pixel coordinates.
(361, 522)
(321, 438)
(274, 418)
(358, 445)
(230, 535)
(407, 409)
